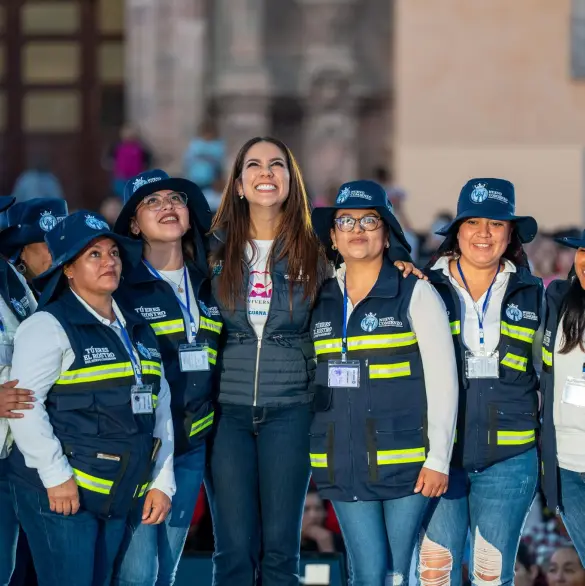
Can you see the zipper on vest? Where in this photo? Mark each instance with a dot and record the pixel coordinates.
(257, 371)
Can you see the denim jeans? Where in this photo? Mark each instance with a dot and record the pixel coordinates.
(380, 537)
(151, 553)
(573, 511)
(78, 550)
(259, 478)
(493, 504)
(8, 533)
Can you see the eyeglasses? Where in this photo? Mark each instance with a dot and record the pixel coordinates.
(367, 223)
(156, 201)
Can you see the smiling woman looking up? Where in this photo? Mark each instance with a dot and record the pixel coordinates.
(267, 267)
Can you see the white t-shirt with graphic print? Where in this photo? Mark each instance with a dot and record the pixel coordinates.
(259, 285)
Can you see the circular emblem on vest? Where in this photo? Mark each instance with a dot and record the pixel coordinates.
(19, 307)
(343, 195)
(370, 322)
(95, 223)
(47, 221)
(479, 193)
(143, 350)
(513, 313)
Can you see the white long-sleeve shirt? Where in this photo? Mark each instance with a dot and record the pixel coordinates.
(10, 325)
(42, 352)
(428, 319)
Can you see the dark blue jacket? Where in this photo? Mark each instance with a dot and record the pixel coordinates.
(110, 449)
(369, 443)
(498, 418)
(191, 392)
(277, 369)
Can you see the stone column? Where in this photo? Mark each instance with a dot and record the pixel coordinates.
(242, 84)
(328, 88)
(165, 72)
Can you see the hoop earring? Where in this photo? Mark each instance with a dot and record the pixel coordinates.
(387, 244)
(241, 196)
(21, 268)
(333, 247)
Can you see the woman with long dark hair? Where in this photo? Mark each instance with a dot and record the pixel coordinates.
(563, 387)
(495, 308)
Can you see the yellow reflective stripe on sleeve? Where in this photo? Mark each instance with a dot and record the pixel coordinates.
(149, 367)
(140, 490)
(208, 324)
(516, 362)
(164, 328)
(547, 356)
(327, 346)
(199, 426)
(455, 328)
(96, 373)
(518, 333)
(389, 370)
(212, 355)
(516, 438)
(381, 341)
(318, 460)
(401, 456)
(92, 483)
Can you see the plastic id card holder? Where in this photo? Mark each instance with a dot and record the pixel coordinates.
(193, 357)
(574, 392)
(6, 349)
(482, 365)
(141, 397)
(343, 374)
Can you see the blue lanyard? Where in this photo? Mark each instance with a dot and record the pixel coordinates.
(187, 307)
(480, 317)
(135, 365)
(344, 338)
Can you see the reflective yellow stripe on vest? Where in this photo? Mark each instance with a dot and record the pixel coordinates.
(149, 367)
(154, 401)
(92, 483)
(381, 341)
(318, 460)
(96, 373)
(516, 362)
(518, 333)
(401, 456)
(516, 438)
(389, 370)
(140, 490)
(546, 356)
(199, 426)
(328, 346)
(212, 355)
(455, 328)
(164, 328)
(208, 324)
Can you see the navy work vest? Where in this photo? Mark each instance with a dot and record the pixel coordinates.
(555, 293)
(369, 443)
(13, 291)
(191, 392)
(498, 418)
(110, 449)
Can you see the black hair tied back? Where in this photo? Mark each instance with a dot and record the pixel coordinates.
(573, 316)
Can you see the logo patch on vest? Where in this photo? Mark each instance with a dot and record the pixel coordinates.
(91, 355)
(20, 306)
(150, 313)
(513, 313)
(209, 311)
(389, 322)
(370, 322)
(322, 328)
(143, 350)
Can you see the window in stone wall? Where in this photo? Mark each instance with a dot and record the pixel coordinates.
(578, 39)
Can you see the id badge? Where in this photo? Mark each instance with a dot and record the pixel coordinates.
(193, 357)
(6, 350)
(574, 392)
(344, 374)
(482, 365)
(141, 397)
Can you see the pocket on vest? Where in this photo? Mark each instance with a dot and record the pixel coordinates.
(514, 363)
(199, 423)
(115, 413)
(322, 442)
(510, 426)
(75, 413)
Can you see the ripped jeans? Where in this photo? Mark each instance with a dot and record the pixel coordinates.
(493, 504)
(380, 538)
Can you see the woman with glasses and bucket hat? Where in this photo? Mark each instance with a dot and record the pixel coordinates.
(495, 311)
(385, 388)
(563, 388)
(98, 441)
(169, 218)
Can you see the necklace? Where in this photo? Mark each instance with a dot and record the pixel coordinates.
(173, 282)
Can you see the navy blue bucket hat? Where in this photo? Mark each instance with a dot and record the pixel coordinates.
(572, 241)
(494, 199)
(360, 195)
(72, 236)
(6, 201)
(28, 222)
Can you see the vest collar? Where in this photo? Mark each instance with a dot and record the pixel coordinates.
(140, 274)
(387, 285)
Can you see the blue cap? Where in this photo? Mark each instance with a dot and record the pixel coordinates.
(493, 199)
(358, 195)
(29, 221)
(572, 241)
(69, 238)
